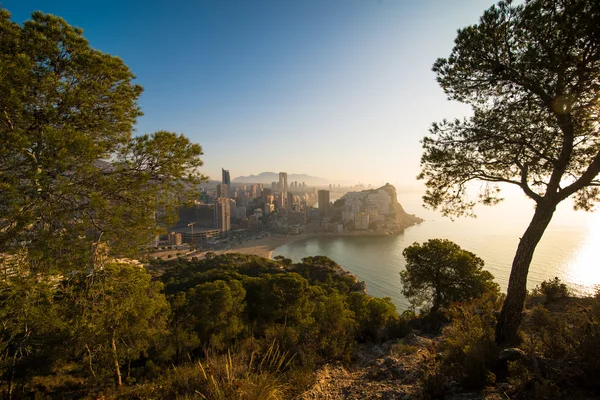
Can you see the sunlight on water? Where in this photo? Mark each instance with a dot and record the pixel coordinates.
(584, 267)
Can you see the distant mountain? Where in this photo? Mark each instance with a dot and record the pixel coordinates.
(268, 177)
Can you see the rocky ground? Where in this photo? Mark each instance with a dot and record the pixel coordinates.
(389, 371)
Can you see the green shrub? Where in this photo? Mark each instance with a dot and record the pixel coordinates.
(467, 351)
(526, 385)
(376, 318)
(565, 347)
(468, 348)
(553, 289)
(435, 382)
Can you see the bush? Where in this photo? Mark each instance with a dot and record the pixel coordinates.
(469, 347)
(467, 352)
(553, 289)
(376, 319)
(565, 347)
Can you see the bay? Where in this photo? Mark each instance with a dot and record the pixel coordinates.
(568, 250)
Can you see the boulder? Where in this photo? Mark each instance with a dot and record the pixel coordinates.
(511, 354)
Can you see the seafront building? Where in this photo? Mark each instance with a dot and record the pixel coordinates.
(323, 202)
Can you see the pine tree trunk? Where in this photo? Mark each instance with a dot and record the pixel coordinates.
(510, 317)
(116, 361)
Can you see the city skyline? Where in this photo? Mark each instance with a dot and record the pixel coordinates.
(339, 90)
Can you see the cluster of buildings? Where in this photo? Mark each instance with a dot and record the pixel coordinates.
(224, 210)
(227, 211)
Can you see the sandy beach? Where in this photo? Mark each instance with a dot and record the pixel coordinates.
(263, 247)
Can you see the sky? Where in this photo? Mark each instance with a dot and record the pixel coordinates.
(338, 89)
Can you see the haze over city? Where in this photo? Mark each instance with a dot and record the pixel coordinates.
(341, 90)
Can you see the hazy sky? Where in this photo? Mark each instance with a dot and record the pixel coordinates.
(340, 89)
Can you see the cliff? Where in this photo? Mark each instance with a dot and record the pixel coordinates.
(403, 218)
(382, 206)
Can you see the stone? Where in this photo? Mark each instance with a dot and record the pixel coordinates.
(511, 354)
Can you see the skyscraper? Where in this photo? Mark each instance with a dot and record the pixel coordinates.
(226, 178)
(324, 202)
(283, 186)
(223, 190)
(222, 215)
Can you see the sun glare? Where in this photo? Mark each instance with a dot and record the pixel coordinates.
(584, 268)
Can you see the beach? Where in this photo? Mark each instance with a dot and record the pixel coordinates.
(262, 247)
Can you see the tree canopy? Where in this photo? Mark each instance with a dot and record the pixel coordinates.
(531, 74)
(439, 272)
(71, 172)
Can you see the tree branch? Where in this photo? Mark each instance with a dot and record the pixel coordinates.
(586, 179)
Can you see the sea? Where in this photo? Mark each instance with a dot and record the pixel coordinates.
(570, 248)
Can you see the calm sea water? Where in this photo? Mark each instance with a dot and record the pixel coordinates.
(570, 248)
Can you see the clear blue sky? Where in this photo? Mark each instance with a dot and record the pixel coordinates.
(340, 89)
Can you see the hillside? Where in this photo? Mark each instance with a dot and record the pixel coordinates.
(240, 326)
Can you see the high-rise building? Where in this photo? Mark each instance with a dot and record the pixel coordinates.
(324, 202)
(223, 190)
(290, 201)
(226, 178)
(242, 199)
(222, 214)
(206, 215)
(280, 201)
(274, 186)
(175, 239)
(283, 186)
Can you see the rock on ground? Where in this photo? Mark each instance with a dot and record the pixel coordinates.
(385, 372)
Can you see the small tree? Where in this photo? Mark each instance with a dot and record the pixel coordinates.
(117, 312)
(531, 73)
(553, 289)
(439, 272)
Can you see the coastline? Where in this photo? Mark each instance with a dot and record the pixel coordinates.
(266, 246)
